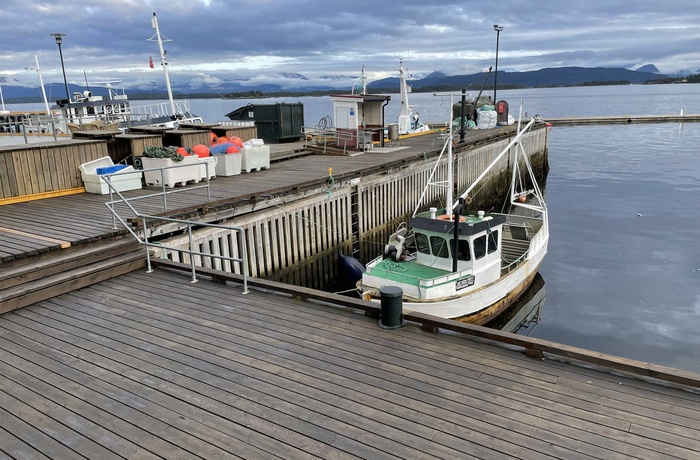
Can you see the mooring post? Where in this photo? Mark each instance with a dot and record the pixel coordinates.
(391, 314)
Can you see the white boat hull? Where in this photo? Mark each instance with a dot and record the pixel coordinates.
(479, 305)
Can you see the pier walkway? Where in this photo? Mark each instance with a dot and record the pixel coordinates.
(152, 366)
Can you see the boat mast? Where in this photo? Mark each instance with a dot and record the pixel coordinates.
(450, 179)
(157, 37)
(486, 171)
(3, 101)
(405, 109)
(41, 83)
(363, 82)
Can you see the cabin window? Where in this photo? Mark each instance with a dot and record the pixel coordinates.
(463, 252)
(493, 241)
(422, 243)
(480, 247)
(439, 247)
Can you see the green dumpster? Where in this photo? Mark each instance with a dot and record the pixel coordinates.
(281, 122)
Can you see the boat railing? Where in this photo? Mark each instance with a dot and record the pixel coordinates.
(148, 112)
(236, 123)
(142, 236)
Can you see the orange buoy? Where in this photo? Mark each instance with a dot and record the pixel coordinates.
(236, 140)
(222, 140)
(182, 151)
(201, 150)
(448, 217)
(213, 138)
(233, 149)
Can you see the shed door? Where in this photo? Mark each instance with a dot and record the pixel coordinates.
(341, 117)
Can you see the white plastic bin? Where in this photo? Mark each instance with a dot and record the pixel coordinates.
(228, 164)
(191, 168)
(125, 179)
(255, 158)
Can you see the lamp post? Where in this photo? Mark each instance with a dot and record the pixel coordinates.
(59, 40)
(498, 30)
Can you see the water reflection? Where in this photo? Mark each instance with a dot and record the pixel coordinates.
(525, 314)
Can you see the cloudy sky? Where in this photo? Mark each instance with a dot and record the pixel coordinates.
(257, 40)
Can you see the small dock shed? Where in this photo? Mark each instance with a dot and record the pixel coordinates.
(359, 113)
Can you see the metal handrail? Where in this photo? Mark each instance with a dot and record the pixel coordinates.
(326, 134)
(164, 193)
(145, 218)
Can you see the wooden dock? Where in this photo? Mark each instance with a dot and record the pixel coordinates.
(130, 364)
(623, 120)
(152, 366)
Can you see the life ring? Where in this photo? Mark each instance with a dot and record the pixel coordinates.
(448, 217)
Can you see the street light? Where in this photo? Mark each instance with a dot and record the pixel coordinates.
(498, 30)
(59, 40)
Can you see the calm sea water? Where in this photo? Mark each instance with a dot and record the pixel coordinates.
(622, 274)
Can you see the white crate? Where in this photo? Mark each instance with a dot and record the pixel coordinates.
(125, 179)
(191, 168)
(213, 161)
(255, 158)
(228, 164)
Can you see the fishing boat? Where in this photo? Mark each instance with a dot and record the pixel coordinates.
(86, 109)
(466, 264)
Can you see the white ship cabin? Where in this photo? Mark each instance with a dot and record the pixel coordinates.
(88, 107)
(479, 240)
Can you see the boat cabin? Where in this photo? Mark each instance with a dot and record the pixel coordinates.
(477, 245)
(361, 117)
(87, 107)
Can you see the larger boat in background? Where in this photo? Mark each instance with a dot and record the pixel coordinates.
(88, 110)
(466, 265)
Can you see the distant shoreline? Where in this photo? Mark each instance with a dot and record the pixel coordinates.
(425, 89)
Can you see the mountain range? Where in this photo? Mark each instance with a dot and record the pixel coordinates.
(14, 91)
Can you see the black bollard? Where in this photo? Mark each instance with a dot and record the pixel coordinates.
(391, 315)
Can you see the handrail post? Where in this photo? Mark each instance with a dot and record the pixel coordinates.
(162, 188)
(149, 268)
(192, 264)
(206, 165)
(244, 261)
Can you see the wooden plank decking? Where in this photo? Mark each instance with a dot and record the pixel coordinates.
(152, 366)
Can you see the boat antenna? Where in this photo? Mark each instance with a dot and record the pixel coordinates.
(157, 37)
(87, 85)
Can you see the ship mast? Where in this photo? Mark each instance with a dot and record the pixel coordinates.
(41, 83)
(157, 37)
(405, 109)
